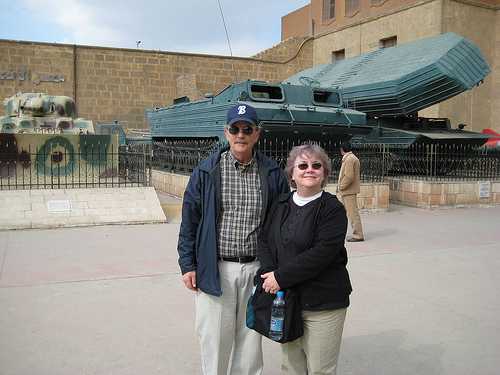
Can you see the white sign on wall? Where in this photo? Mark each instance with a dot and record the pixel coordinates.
(484, 189)
(59, 206)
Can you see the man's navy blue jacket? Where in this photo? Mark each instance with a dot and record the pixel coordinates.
(198, 242)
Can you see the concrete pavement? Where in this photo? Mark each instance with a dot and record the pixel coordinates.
(110, 299)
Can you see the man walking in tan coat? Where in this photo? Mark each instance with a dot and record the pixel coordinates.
(348, 188)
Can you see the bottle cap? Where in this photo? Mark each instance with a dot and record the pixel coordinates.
(280, 293)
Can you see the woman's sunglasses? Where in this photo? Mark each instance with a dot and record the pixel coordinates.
(247, 130)
(304, 166)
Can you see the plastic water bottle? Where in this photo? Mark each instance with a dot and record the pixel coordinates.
(277, 317)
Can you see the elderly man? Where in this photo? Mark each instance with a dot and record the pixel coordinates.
(348, 188)
(225, 204)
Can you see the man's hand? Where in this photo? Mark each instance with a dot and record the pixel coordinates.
(189, 279)
(270, 284)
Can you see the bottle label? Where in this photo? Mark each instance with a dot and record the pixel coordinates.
(276, 325)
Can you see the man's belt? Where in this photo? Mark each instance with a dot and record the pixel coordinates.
(246, 259)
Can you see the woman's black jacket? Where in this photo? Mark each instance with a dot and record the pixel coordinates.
(319, 271)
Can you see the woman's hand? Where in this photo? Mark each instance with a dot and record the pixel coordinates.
(270, 284)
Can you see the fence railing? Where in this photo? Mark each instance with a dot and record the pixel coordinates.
(131, 165)
(183, 156)
(432, 162)
(58, 169)
(436, 162)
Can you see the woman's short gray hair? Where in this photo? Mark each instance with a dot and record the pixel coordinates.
(312, 150)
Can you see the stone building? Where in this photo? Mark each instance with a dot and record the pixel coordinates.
(119, 84)
(345, 28)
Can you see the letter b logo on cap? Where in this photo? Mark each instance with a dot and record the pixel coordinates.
(242, 112)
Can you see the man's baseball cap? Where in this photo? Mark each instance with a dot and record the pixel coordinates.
(242, 112)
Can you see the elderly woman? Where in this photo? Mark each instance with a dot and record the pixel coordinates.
(313, 230)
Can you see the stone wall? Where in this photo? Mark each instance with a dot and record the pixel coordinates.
(444, 194)
(119, 84)
(408, 24)
(170, 183)
(375, 197)
(372, 198)
(283, 52)
(52, 208)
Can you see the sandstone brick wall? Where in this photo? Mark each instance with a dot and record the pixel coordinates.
(375, 197)
(41, 208)
(443, 194)
(372, 198)
(170, 183)
(285, 51)
(119, 84)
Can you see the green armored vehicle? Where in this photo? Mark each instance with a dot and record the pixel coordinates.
(392, 84)
(287, 112)
(371, 98)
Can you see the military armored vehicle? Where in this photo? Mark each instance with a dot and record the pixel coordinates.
(123, 139)
(43, 142)
(371, 98)
(286, 112)
(392, 84)
(40, 113)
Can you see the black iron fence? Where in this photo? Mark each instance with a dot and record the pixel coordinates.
(432, 162)
(59, 168)
(183, 156)
(131, 165)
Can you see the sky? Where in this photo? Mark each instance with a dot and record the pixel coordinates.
(193, 26)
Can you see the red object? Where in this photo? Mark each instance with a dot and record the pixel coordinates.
(492, 141)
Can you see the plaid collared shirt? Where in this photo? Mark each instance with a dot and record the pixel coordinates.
(241, 207)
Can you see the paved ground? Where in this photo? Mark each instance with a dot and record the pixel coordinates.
(110, 299)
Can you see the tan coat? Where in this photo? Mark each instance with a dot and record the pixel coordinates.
(349, 175)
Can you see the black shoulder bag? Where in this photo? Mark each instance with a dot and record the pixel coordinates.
(261, 301)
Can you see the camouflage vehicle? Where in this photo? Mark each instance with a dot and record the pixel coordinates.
(41, 113)
(392, 84)
(43, 140)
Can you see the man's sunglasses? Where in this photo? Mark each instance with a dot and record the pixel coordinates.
(247, 130)
(304, 166)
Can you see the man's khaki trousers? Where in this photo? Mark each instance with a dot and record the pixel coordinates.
(350, 203)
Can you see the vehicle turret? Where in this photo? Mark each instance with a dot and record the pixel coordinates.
(41, 113)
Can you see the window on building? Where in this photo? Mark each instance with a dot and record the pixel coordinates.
(338, 55)
(328, 10)
(389, 42)
(351, 5)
